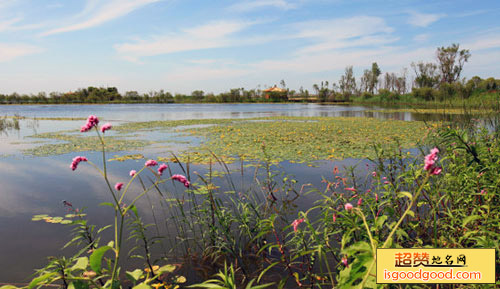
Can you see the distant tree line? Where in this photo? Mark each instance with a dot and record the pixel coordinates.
(439, 81)
(431, 81)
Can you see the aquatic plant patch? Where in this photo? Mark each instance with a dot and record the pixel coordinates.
(74, 143)
(301, 139)
(296, 139)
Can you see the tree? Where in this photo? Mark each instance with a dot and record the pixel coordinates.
(197, 95)
(283, 84)
(375, 73)
(347, 82)
(426, 74)
(451, 62)
(364, 86)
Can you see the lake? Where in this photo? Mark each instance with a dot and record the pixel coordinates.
(31, 185)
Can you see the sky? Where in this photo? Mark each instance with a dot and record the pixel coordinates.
(185, 45)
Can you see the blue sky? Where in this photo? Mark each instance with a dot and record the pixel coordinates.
(183, 45)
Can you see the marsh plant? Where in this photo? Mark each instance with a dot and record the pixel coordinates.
(257, 237)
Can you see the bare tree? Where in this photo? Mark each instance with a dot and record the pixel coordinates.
(375, 73)
(347, 82)
(364, 85)
(426, 74)
(451, 62)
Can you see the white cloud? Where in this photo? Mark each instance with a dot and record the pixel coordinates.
(8, 24)
(9, 51)
(421, 37)
(343, 33)
(95, 14)
(487, 41)
(211, 35)
(256, 4)
(422, 19)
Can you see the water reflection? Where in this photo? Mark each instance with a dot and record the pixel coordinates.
(38, 185)
(129, 112)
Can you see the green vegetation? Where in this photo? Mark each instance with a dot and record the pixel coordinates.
(301, 139)
(250, 237)
(296, 139)
(7, 123)
(78, 143)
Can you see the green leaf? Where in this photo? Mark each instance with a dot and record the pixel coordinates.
(134, 275)
(405, 194)
(142, 286)
(96, 258)
(78, 285)
(41, 279)
(107, 204)
(470, 219)
(81, 264)
(380, 221)
(166, 269)
(8, 287)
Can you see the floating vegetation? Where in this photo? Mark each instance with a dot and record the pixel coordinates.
(152, 125)
(127, 157)
(304, 139)
(54, 220)
(295, 139)
(79, 143)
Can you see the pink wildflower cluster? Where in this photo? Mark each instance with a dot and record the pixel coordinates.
(344, 261)
(296, 223)
(151, 163)
(162, 168)
(76, 161)
(430, 161)
(118, 186)
(348, 206)
(106, 127)
(182, 179)
(91, 122)
(132, 173)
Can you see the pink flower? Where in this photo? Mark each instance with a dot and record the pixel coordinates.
(334, 217)
(91, 122)
(105, 127)
(436, 171)
(384, 178)
(350, 189)
(483, 192)
(344, 261)
(85, 128)
(360, 201)
(132, 173)
(182, 179)
(376, 197)
(431, 159)
(296, 223)
(76, 161)
(348, 206)
(374, 174)
(162, 168)
(151, 163)
(386, 182)
(118, 186)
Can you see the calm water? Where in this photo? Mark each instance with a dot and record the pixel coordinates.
(38, 185)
